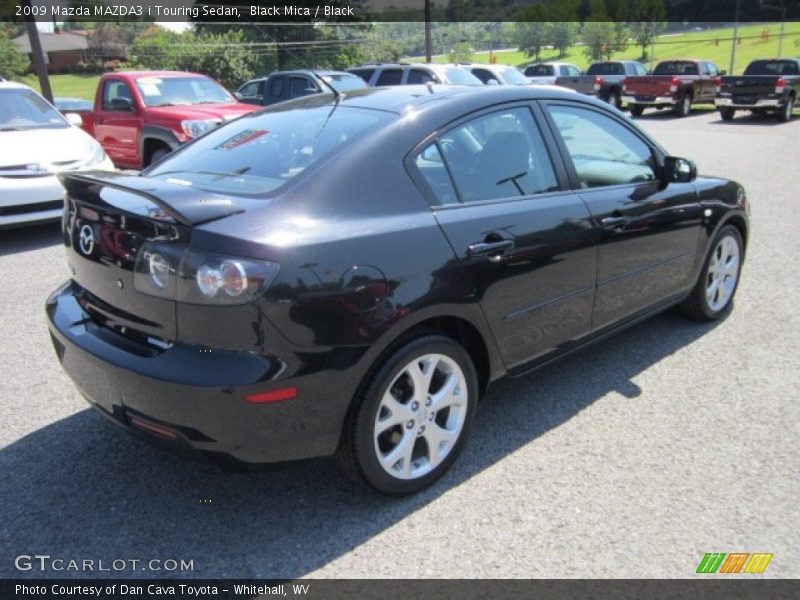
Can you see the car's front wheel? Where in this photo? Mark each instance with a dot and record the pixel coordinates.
(412, 417)
(727, 113)
(713, 294)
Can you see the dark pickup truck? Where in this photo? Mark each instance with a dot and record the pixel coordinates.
(675, 84)
(767, 86)
(604, 79)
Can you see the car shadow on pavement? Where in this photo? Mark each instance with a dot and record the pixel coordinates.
(745, 118)
(82, 489)
(34, 237)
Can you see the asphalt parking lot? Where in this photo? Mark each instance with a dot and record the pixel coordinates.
(631, 459)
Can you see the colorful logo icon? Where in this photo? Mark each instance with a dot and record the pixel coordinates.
(736, 562)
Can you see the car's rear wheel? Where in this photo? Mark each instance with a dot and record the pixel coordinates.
(785, 115)
(637, 110)
(713, 294)
(727, 113)
(615, 100)
(412, 418)
(684, 107)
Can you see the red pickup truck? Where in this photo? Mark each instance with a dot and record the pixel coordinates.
(141, 116)
(675, 84)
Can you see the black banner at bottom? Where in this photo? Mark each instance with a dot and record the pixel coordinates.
(398, 589)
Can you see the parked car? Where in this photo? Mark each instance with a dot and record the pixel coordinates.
(348, 275)
(66, 105)
(141, 116)
(675, 84)
(380, 75)
(767, 86)
(546, 73)
(604, 79)
(36, 143)
(498, 74)
(287, 85)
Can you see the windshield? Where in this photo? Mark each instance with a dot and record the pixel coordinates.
(513, 77)
(344, 83)
(540, 71)
(181, 91)
(675, 68)
(459, 76)
(772, 67)
(606, 69)
(260, 152)
(25, 109)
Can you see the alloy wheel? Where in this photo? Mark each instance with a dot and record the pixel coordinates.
(421, 416)
(722, 274)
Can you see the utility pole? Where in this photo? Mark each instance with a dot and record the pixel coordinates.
(428, 44)
(37, 54)
(735, 36)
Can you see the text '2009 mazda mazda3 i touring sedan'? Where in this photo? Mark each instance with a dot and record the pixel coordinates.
(347, 274)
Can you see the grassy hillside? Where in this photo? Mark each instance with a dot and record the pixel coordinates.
(70, 86)
(714, 45)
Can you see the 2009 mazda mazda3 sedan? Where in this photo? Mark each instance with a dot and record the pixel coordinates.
(347, 274)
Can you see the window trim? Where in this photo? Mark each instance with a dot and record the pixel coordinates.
(657, 152)
(537, 115)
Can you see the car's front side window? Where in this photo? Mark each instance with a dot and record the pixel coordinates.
(603, 151)
(499, 155)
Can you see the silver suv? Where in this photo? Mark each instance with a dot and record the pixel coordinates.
(383, 74)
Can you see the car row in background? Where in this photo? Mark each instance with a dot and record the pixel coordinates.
(36, 143)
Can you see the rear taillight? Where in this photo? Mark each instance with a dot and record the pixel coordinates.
(598, 83)
(718, 84)
(780, 85)
(674, 85)
(194, 277)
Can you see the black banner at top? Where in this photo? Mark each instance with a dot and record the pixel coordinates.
(277, 11)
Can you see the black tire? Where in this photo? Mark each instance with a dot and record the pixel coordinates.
(158, 154)
(727, 113)
(684, 107)
(615, 100)
(637, 110)
(696, 306)
(785, 114)
(357, 456)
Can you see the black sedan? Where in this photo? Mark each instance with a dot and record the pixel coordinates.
(347, 274)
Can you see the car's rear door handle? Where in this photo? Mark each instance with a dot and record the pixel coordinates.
(615, 223)
(494, 251)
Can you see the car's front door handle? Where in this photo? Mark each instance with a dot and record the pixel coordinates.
(494, 251)
(615, 223)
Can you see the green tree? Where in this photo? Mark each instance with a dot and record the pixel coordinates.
(534, 30)
(564, 14)
(462, 51)
(599, 33)
(12, 63)
(647, 21)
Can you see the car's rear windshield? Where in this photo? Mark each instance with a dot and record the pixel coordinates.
(258, 153)
(459, 76)
(772, 67)
(540, 71)
(676, 67)
(606, 69)
(343, 82)
(181, 91)
(513, 76)
(22, 109)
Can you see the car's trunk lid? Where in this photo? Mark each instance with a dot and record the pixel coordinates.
(749, 85)
(648, 85)
(108, 219)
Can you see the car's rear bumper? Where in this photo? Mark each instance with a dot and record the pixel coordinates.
(762, 103)
(194, 398)
(29, 200)
(656, 101)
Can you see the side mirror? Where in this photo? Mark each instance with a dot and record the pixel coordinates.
(237, 95)
(122, 104)
(679, 170)
(723, 72)
(74, 119)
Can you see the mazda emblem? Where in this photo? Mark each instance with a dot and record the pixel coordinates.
(86, 240)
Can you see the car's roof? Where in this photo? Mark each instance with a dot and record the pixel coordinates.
(404, 98)
(4, 85)
(138, 74)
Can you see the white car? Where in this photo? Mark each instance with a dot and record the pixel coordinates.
(498, 74)
(546, 73)
(36, 143)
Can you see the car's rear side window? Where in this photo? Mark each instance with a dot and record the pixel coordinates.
(494, 156)
(419, 76)
(606, 69)
(389, 77)
(539, 71)
(365, 74)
